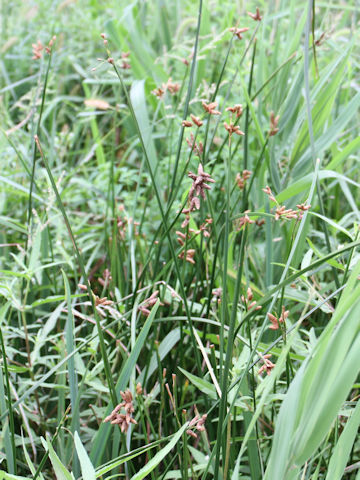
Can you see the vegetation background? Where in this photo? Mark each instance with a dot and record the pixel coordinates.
(219, 310)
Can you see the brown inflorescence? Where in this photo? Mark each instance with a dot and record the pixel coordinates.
(210, 108)
(231, 128)
(273, 124)
(241, 178)
(268, 365)
(148, 303)
(121, 419)
(238, 31)
(255, 16)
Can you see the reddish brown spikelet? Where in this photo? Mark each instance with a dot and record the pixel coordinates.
(37, 50)
(171, 86)
(287, 213)
(196, 120)
(231, 128)
(303, 207)
(268, 192)
(199, 183)
(273, 124)
(268, 365)
(158, 92)
(186, 123)
(197, 148)
(243, 221)
(148, 303)
(238, 31)
(274, 321)
(237, 109)
(255, 16)
(188, 255)
(121, 419)
(210, 108)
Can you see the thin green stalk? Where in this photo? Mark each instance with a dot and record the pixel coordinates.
(224, 369)
(187, 101)
(46, 455)
(104, 356)
(246, 139)
(9, 401)
(311, 132)
(163, 216)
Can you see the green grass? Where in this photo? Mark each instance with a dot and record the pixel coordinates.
(93, 186)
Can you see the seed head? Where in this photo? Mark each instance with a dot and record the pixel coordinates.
(196, 120)
(231, 128)
(255, 16)
(210, 108)
(238, 31)
(237, 109)
(186, 123)
(273, 124)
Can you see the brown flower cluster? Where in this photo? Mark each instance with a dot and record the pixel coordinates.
(197, 423)
(269, 193)
(198, 187)
(158, 92)
(255, 16)
(217, 294)
(38, 47)
(231, 128)
(243, 221)
(238, 31)
(149, 303)
(123, 419)
(268, 365)
(249, 300)
(276, 321)
(241, 178)
(237, 109)
(283, 212)
(201, 179)
(273, 124)
(196, 147)
(170, 86)
(106, 278)
(196, 120)
(188, 255)
(125, 60)
(210, 108)
(98, 301)
(203, 228)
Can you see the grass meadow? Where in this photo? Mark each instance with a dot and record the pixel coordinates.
(179, 240)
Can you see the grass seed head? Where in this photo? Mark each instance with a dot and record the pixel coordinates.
(255, 16)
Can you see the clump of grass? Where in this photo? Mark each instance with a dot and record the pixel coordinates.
(179, 242)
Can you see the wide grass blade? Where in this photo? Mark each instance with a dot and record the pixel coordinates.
(154, 462)
(319, 389)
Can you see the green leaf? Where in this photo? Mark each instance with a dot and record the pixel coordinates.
(319, 388)
(87, 469)
(154, 462)
(137, 95)
(60, 470)
(8, 476)
(203, 385)
(343, 447)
